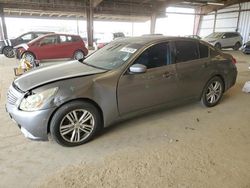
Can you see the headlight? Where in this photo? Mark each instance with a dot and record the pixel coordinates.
(36, 101)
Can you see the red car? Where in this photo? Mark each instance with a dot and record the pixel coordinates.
(53, 46)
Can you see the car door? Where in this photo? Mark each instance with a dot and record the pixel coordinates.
(47, 48)
(226, 40)
(68, 45)
(192, 64)
(156, 86)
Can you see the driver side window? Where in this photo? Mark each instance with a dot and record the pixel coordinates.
(155, 56)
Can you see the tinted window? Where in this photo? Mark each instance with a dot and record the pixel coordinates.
(156, 56)
(48, 40)
(27, 37)
(203, 50)
(186, 51)
(64, 38)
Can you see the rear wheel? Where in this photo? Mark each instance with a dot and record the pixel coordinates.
(8, 52)
(237, 46)
(218, 46)
(212, 92)
(78, 55)
(75, 123)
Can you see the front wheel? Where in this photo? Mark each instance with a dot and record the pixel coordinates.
(8, 52)
(212, 92)
(75, 123)
(30, 58)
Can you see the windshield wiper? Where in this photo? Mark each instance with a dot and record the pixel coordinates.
(93, 65)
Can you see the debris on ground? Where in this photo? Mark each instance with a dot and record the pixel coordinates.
(246, 87)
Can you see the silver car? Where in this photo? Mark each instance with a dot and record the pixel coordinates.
(225, 40)
(74, 100)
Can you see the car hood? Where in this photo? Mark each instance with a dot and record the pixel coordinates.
(45, 75)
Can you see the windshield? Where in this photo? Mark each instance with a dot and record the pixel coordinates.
(214, 35)
(112, 55)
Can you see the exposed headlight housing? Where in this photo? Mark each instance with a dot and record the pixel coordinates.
(36, 101)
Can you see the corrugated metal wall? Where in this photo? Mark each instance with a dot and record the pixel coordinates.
(227, 20)
(207, 24)
(244, 22)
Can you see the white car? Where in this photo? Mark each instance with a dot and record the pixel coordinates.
(225, 40)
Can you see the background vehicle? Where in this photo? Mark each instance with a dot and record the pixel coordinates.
(107, 38)
(53, 46)
(246, 48)
(225, 40)
(193, 36)
(128, 76)
(6, 46)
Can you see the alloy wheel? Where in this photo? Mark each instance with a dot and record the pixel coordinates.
(214, 92)
(79, 55)
(77, 125)
(8, 52)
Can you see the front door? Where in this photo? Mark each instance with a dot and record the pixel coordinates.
(158, 85)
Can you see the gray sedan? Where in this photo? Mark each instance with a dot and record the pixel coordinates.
(74, 100)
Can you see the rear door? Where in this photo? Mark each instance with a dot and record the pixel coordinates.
(158, 85)
(192, 62)
(48, 48)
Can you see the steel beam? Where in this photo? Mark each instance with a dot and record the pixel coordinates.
(90, 24)
(3, 29)
(153, 23)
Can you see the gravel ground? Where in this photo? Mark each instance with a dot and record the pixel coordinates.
(186, 146)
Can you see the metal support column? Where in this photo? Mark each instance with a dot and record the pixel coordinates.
(3, 29)
(197, 20)
(215, 19)
(152, 24)
(90, 24)
(238, 20)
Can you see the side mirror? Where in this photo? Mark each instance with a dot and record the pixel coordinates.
(224, 37)
(138, 68)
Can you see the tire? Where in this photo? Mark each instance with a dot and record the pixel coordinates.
(213, 92)
(78, 55)
(67, 128)
(30, 58)
(218, 46)
(237, 46)
(8, 52)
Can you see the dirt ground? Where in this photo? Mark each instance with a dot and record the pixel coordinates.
(186, 146)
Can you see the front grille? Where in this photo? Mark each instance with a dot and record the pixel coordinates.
(13, 95)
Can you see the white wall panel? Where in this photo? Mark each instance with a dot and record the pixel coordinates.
(244, 22)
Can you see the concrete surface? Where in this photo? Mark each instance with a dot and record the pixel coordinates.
(186, 146)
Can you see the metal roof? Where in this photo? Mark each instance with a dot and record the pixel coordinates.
(122, 10)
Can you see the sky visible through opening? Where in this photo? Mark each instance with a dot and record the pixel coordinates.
(171, 25)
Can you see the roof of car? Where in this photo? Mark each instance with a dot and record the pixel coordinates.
(151, 38)
(51, 34)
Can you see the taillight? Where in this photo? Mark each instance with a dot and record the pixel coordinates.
(234, 60)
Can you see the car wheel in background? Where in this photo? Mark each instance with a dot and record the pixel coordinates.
(78, 55)
(30, 58)
(212, 92)
(237, 46)
(218, 46)
(8, 52)
(75, 123)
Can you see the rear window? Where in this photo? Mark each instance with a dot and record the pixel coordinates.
(204, 51)
(186, 51)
